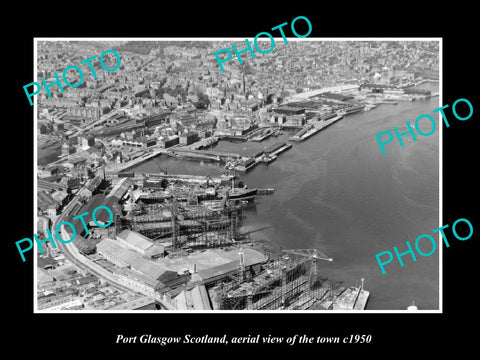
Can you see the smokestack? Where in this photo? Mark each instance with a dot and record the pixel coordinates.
(194, 268)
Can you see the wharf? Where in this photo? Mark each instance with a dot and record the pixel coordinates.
(353, 298)
(318, 126)
(281, 149)
(267, 191)
(211, 155)
(271, 150)
(192, 179)
(250, 163)
(362, 299)
(203, 143)
(261, 134)
(232, 137)
(134, 162)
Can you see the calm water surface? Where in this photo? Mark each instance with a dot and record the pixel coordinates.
(338, 193)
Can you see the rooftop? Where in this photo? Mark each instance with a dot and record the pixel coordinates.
(147, 267)
(214, 260)
(136, 239)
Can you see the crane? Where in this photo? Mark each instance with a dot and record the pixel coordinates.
(312, 254)
(172, 206)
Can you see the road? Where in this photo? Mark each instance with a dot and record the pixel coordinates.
(71, 253)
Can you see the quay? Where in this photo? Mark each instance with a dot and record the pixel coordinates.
(211, 155)
(269, 151)
(308, 131)
(276, 148)
(231, 137)
(261, 134)
(140, 178)
(267, 191)
(204, 143)
(134, 162)
(190, 179)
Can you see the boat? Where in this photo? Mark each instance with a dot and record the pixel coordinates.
(230, 165)
(242, 194)
(269, 158)
(353, 109)
(412, 307)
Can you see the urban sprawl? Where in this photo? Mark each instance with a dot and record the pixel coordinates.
(177, 241)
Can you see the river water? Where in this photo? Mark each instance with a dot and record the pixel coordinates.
(336, 192)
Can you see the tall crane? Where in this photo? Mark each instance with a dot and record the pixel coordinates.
(172, 206)
(312, 254)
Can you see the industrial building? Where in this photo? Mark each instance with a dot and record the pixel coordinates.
(188, 138)
(121, 256)
(140, 244)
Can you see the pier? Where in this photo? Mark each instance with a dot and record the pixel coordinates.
(261, 134)
(267, 191)
(306, 132)
(271, 151)
(276, 148)
(211, 155)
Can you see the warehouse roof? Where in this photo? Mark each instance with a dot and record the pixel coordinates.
(112, 248)
(120, 188)
(136, 239)
(46, 201)
(193, 299)
(227, 261)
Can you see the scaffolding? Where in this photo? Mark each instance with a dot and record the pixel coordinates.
(182, 225)
(276, 287)
(284, 283)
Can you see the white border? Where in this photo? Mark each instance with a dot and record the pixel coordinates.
(259, 312)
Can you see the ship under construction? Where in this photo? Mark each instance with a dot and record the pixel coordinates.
(287, 281)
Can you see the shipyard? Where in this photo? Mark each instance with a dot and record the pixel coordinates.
(201, 176)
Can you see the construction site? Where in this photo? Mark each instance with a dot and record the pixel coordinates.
(288, 282)
(188, 226)
(185, 216)
(184, 243)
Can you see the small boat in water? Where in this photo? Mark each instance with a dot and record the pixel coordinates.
(412, 307)
(269, 158)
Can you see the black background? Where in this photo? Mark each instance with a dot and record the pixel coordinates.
(95, 334)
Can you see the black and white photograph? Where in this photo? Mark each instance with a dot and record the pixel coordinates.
(219, 181)
(262, 187)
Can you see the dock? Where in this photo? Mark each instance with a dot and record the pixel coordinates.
(261, 134)
(278, 150)
(362, 299)
(267, 191)
(210, 155)
(190, 179)
(204, 143)
(305, 133)
(231, 137)
(135, 162)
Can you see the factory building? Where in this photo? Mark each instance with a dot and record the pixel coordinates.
(141, 244)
